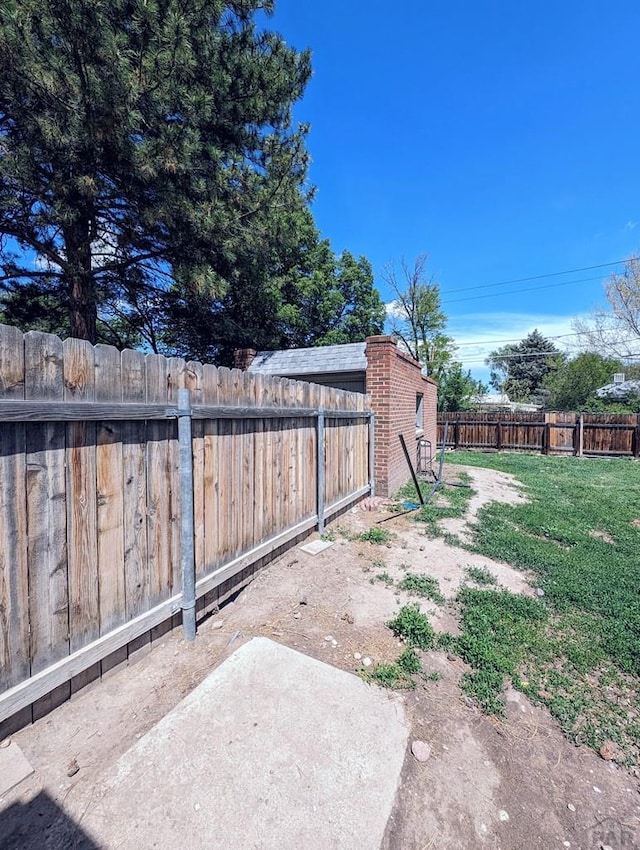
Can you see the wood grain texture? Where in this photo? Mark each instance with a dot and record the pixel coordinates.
(46, 507)
(134, 476)
(14, 575)
(194, 376)
(176, 380)
(211, 472)
(82, 531)
(109, 478)
(158, 496)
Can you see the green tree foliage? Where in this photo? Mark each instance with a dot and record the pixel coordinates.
(302, 296)
(572, 384)
(136, 135)
(456, 388)
(520, 369)
(416, 315)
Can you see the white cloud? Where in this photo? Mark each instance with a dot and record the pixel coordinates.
(631, 225)
(478, 334)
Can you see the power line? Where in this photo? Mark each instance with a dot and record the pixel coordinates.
(515, 291)
(532, 354)
(535, 277)
(512, 339)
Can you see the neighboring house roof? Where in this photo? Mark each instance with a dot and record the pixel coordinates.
(350, 357)
(502, 400)
(620, 389)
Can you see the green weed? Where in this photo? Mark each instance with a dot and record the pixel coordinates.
(375, 535)
(413, 626)
(383, 577)
(421, 585)
(481, 576)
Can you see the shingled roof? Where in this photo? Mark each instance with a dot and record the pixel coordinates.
(350, 357)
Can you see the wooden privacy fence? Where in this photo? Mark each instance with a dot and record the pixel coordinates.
(550, 432)
(132, 485)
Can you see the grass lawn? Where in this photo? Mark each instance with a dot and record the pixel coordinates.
(577, 647)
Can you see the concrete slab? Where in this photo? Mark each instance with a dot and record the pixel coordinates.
(14, 767)
(316, 546)
(273, 750)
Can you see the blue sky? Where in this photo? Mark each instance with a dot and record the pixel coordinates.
(501, 138)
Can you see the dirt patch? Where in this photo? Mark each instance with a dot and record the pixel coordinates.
(599, 534)
(489, 486)
(497, 784)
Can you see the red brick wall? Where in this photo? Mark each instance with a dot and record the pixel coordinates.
(393, 381)
(243, 358)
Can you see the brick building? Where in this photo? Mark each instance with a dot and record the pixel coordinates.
(402, 398)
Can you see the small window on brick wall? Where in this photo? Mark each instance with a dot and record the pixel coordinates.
(419, 403)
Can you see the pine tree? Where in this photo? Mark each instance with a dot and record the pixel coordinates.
(138, 138)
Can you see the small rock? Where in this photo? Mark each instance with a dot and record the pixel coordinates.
(469, 702)
(451, 657)
(348, 618)
(566, 844)
(196, 807)
(329, 638)
(597, 790)
(422, 548)
(504, 816)
(367, 662)
(296, 616)
(303, 601)
(420, 750)
(357, 656)
(217, 624)
(388, 545)
(334, 643)
(571, 807)
(544, 695)
(539, 591)
(73, 767)
(610, 751)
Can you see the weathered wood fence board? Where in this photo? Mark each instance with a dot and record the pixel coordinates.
(90, 501)
(552, 432)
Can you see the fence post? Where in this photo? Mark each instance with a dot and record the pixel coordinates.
(580, 449)
(456, 434)
(498, 435)
(187, 549)
(321, 472)
(372, 454)
(546, 435)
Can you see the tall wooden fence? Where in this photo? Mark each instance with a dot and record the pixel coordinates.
(615, 434)
(95, 529)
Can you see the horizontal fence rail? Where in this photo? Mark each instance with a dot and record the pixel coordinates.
(134, 488)
(551, 432)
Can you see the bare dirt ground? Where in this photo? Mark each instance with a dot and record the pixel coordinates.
(504, 784)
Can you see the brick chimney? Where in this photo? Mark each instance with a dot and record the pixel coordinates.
(243, 358)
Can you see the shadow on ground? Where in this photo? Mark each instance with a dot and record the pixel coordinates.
(41, 825)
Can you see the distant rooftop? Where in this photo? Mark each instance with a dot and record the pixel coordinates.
(619, 389)
(350, 357)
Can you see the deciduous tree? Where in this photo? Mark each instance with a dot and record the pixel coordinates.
(572, 385)
(416, 315)
(616, 332)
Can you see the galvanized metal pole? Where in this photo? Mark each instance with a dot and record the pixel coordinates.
(321, 472)
(186, 516)
(372, 453)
